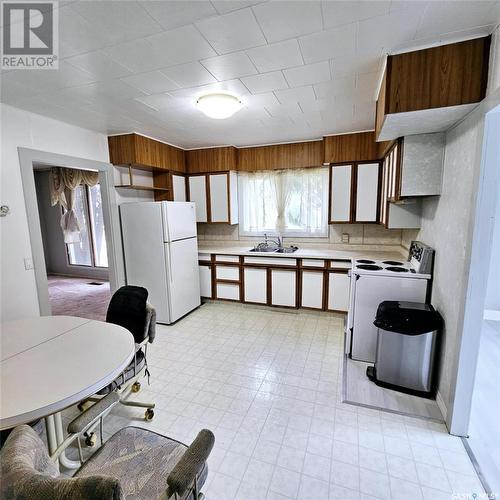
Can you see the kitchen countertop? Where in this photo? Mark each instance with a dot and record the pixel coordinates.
(303, 252)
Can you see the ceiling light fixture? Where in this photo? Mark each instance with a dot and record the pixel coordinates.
(219, 105)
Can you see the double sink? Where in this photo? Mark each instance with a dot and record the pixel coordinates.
(273, 249)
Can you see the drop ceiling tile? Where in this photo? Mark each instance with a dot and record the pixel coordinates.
(152, 82)
(440, 18)
(335, 88)
(291, 109)
(232, 86)
(299, 94)
(173, 14)
(386, 32)
(266, 82)
(366, 86)
(337, 42)
(46, 81)
(107, 90)
(119, 20)
(318, 105)
(99, 65)
(276, 56)
(189, 75)
(157, 101)
(77, 35)
(341, 12)
(281, 20)
(225, 6)
(260, 100)
(360, 63)
(308, 74)
(159, 51)
(230, 66)
(231, 32)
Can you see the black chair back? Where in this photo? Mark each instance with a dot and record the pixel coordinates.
(127, 308)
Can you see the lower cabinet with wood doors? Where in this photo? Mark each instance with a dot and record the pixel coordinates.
(319, 284)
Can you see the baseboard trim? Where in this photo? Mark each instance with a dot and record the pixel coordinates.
(441, 405)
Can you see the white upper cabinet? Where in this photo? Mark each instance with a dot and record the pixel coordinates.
(354, 192)
(179, 187)
(221, 197)
(340, 193)
(198, 194)
(367, 189)
(219, 203)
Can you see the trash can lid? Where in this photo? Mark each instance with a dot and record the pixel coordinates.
(408, 318)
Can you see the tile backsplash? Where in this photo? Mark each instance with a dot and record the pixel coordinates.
(359, 234)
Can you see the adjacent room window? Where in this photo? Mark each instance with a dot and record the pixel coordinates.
(91, 250)
(287, 202)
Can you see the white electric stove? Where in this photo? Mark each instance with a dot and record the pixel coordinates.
(372, 282)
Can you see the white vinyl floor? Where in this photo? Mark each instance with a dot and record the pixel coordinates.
(268, 384)
(359, 389)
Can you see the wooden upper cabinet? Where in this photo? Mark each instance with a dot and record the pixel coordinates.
(281, 156)
(428, 90)
(220, 159)
(360, 146)
(142, 152)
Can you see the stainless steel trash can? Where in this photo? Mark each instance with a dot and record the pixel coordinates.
(407, 342)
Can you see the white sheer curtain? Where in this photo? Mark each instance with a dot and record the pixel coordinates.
(62, 185)
(285, 202)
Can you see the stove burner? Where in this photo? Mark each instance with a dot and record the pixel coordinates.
(397, 269)
(392, 263)
(365, 261)
(369, 267)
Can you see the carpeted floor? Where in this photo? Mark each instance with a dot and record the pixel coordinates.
(76, 297)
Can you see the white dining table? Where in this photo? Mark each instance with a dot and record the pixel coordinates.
(49, 363)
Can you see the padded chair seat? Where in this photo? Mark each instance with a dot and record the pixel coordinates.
(140, 460)
(127, 374)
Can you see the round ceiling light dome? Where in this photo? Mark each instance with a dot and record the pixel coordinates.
(219, 105)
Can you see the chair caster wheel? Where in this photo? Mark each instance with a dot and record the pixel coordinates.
(149, 414)
(91, 440)
(136, 387)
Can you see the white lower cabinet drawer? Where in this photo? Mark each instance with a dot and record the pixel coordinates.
(312, 289)
(227, 258)
(313, 263)
(338, 291)
(227, 273)
(283, 286)
(228, 291)
(255, 285)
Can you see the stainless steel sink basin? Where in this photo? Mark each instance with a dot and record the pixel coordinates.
(265, 249)
(274, 249)
(287, 249)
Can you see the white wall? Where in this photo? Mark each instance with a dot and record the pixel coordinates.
(18, 296)
(448, 225)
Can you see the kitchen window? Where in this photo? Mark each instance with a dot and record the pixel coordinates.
(290, 202)
(91, 250)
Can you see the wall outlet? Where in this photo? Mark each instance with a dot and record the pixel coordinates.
(345, 237)
(28, 264)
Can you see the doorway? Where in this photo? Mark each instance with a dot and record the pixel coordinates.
(77, 272)
(477, 398)
(75, 277)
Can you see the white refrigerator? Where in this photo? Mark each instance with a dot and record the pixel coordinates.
(161, 254)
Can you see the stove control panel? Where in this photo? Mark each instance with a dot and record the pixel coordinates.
(421, 257)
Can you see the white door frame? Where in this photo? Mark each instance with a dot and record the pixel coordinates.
(28, 158)
(484, 218)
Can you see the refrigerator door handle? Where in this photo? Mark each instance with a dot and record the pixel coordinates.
(169, 257)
